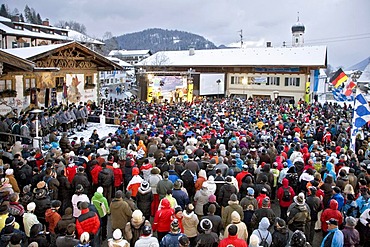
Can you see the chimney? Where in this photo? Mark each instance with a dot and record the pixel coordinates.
(191, 51)
(15, 18)
(46, 22)
(268, 44)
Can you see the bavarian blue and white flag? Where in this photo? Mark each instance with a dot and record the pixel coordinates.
(340, 96)
(361, 115)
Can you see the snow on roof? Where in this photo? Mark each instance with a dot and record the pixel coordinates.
(82, 38)
(119, 61)
(128, 53)
(2, 18)
(29, 52)
(294, 56)
(360, 66)
(365, 76)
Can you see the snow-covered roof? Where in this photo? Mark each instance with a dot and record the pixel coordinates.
(294, 56)
(2, 18)
(27, 33)
(32, 51)
(128, 53)
(359, 66)
(365, 76)
(82, 38)
(120, 62)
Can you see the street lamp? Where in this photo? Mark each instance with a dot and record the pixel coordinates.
(36, 140)
(244, 82)
(218, 88)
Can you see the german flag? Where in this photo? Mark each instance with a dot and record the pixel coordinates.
(338, 78)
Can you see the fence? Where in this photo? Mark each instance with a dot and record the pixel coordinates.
(8, 138)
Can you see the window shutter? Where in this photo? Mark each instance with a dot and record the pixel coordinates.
(286, 81)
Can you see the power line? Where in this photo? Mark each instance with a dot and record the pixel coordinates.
(339, 40)
(340, 37)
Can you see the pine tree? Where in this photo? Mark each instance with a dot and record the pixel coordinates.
(4, 11)
(28, 14)
(21, 18)
(34, 16)
(39, 20)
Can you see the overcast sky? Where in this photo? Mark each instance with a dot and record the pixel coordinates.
(220, 20)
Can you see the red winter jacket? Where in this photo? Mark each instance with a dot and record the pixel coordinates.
(71, 172)
(118, 178)
(240, 177)
(95, 174)
(331, 212)
(163, 217)
(88, 221)
(280, 194)
(233, 241)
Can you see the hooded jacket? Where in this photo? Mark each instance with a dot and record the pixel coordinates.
(88, 221)
(225, 193)
(201, 198)
(331, 212)
(105, 177)
(120, 213)
(52, 217)
(144, 200)
(227, 212)
(163, 217)
(135, 182)
(190, 223)
(334, 238)
(280, 237)
(242, 228)
(298, 217)
(280, 194)
(262, 231)
(100, 203)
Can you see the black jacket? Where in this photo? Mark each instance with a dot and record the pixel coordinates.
(81, 178)
(105, 177)
(225, 193)
(315, 206)
(280, 237)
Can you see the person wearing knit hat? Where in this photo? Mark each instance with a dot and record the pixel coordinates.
(68, 238)
(162, 219)
(6, 186)
(242, 228)
(29, 218)
(190, 223)
(144, 199)
(78, 197)
(206, 236)
(351, 235)
(233, 206)
(146, 239)
(281, 232)
(172, 238)
(133, 229)
(102, 206)
(9, 174)
(179, 216)
(52, 217)
(254, 241)
(201, 198)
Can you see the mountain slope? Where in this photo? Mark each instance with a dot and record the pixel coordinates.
(157, 39)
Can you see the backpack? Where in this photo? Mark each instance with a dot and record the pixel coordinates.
(292, 178)
(263, 242)
(286, 194)
(188, 178)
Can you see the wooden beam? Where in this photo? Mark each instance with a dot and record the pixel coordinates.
(67, 58)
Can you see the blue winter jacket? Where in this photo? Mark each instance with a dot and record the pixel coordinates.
(335, 237)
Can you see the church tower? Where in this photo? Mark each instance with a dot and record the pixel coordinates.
(298, 34)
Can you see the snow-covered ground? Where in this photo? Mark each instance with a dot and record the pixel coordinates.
(103, 130)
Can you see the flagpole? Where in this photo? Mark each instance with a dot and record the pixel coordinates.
(353, 129)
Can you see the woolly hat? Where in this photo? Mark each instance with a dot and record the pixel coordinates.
(254, 241)
(144, 186)
(178, 209)
(118, 194)
(348, 189)
(266, 202)
(31, 206)
(115, 165)
(184, 240)
(56, 204)
(206, 224)
(212, 198)
(137, 216)
(298, 239)
(175, 226)
(10, 220)
(351, 222)
(233, 198)
(100, 190)
(235, 217)
(79, 188)
(85, 238)
(9, 172)
(300, 200)
(117, 234)
(250, 191)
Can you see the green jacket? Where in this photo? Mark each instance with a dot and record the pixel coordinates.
(100, 202)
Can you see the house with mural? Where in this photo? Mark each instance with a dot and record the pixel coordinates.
(61, 74)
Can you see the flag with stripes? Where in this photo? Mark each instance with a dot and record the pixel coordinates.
(361, 116)
(340, 96)
(338, 78)
(349, 87)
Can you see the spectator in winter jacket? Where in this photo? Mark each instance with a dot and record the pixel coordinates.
(102, 206)
(206, 237)
(351, 235)
(260, 213)
(190, 223)
(164, 185)
(202, 177)
(118, 176)
(29, 218)
(146, 169)
(120, 212)
(174, 237)
(232, 238)
(285, 195)
(299, 214)
(52, 216)
(261, 197)
(181, 197)
(9, 174)
(280, 236)
(262, 232)
(337, 195)
(146, 239)
(79, 196)
(94, 172)
(242, 228)
(335, 236)
(134, 227)
(201, 199)
(225, 192)
(105, 180)
(315, 207)
(135, 182)
(88, 221)
(331, 213)
(144, 199)
(215, 219)
(173, 176)
(233, 206)
(162, 219)
(64, 222)
(81, 178)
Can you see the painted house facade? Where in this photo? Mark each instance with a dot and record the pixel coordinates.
(62, 74)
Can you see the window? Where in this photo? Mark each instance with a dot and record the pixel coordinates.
(6, 84)
(64, 33)
(236, 79)
(28, 83)
(19, 27)
(14, 44)
(59, 81)
(35, 29)
(273, 81)
(89, 82)
(292, 81)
